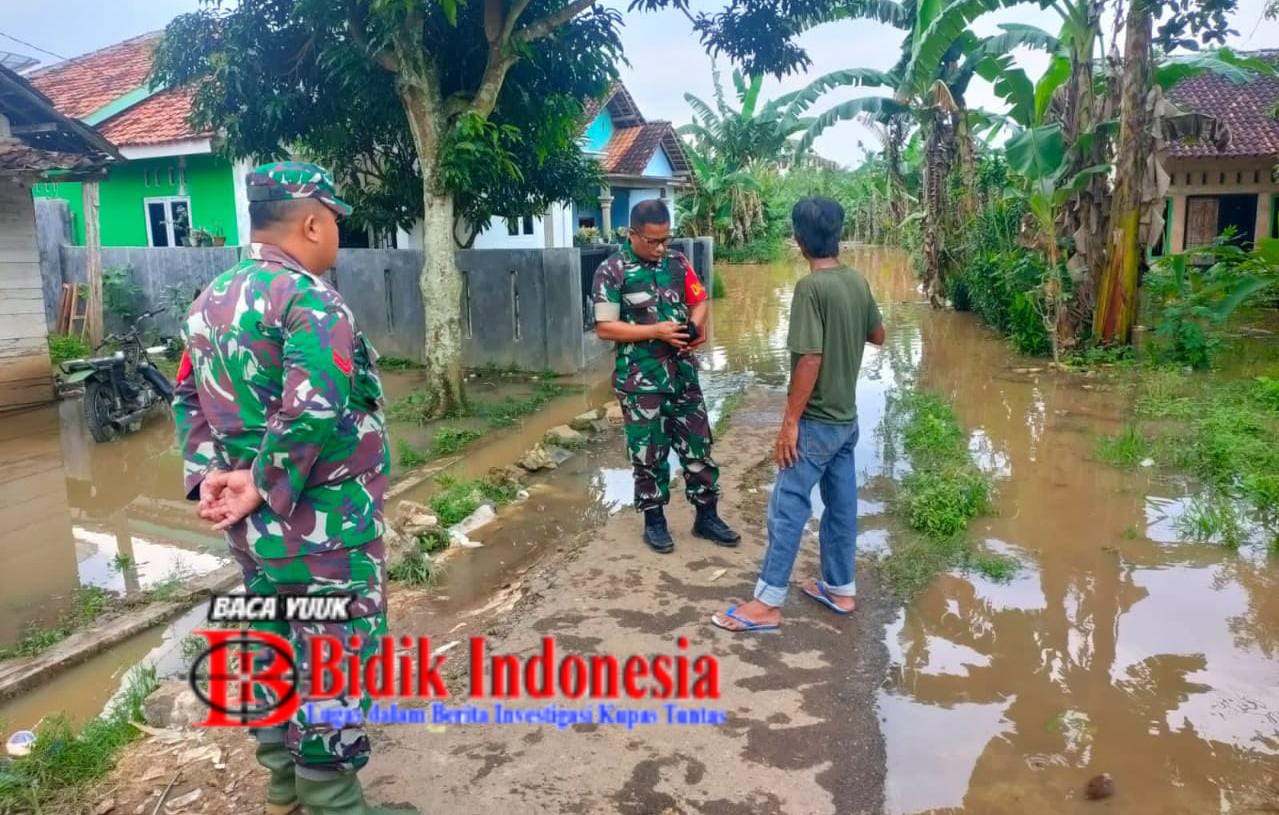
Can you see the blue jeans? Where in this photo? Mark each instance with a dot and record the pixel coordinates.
(825, 459)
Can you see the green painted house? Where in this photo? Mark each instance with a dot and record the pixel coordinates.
(171, 182)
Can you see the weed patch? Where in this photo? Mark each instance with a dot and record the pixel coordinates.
(726, 410)
(449, 440)
(1126, 449)
(396, 364)
(88, 604)
(63, 763)
(938, 498)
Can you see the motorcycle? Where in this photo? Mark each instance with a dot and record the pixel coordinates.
(119, 389)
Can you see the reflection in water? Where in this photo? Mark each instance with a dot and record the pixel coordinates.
(1110, 651)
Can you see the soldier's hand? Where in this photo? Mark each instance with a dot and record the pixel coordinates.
(210, 491)
(671, 333)
(240, 497)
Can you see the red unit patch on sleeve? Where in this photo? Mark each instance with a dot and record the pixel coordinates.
(344, 364)
(185, 368)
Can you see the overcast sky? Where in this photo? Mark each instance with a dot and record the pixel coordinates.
(665, 57)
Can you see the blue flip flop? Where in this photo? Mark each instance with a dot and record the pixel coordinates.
(823, 596)
(747, 625)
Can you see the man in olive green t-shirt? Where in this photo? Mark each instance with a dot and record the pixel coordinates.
(833, 316)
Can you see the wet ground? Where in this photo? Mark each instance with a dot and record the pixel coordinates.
(1116, 648)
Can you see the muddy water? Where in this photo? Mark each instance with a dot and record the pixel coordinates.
(1114, 649)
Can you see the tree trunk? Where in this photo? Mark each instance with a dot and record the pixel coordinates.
(440, 282)
(896, 135)
(1083, 219)
(936, 169)
(1117, 289)
(93, 254)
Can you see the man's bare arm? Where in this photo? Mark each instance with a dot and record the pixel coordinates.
(802, 383)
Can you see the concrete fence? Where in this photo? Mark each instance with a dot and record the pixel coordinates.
(522, 307)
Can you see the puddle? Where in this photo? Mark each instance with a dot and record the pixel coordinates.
(1115, 648)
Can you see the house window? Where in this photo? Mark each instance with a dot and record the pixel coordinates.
(519, 226)
(173, 176)
(168, 221)
(585, 223)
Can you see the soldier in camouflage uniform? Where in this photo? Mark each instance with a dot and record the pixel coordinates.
(650, 302)
(279, 414)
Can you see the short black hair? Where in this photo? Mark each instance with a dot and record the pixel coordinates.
(819, 224)
(652, 211)
(266, 214)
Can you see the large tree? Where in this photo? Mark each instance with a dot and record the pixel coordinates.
(445, 109)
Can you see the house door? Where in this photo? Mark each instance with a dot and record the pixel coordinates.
(1201, 220)
(168, 221)
(1240, 212)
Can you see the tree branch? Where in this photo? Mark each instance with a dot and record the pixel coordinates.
(545, 26)
(355, 27)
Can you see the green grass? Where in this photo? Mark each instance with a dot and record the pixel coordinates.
(1131, 532)
(449, 440)
(1125, 449)
(1212, 518)
(414, 569)
(396, 364)
(64, 764)
(511, 409)
(122, 562)
(459, 498)
(409, 455)
(719, 289)
(726, 410)
(942, 493)
(88, 603)
(1222, 431)
(63, 347)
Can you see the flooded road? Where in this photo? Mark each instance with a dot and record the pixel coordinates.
(1115, 648)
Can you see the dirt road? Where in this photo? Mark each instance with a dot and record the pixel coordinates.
(800, 732)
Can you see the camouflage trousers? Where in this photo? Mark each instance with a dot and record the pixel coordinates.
(656, 423)
(335, 741)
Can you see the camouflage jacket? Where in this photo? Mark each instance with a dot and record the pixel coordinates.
(641, 293)
(282, 383)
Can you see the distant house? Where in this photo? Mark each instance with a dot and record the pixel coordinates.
(1210, 190)
(172, 182)
(36, 142)
(641, 160)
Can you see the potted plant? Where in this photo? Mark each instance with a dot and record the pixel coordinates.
(219, 236)
(620, 234)
(199, 237)
(587, 236)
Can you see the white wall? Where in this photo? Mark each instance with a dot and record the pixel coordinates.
(497, 236)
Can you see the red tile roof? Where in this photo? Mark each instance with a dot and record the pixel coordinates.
(156, 120)
(80, 86)
(1247, 109)
(631, 148)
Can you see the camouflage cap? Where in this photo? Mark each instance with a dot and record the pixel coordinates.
(291, 180)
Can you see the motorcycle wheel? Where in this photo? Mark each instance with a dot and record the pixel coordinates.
(97, 411)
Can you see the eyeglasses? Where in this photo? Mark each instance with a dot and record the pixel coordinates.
(656, 243)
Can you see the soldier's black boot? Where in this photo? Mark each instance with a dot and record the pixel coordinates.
(712, 527)
(656, 534)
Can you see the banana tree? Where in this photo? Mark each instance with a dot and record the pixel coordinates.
(940, 57)
(1039, 158)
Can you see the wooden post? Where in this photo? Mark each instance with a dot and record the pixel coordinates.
(93, 245)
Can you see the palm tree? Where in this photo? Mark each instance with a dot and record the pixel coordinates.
(940, 57)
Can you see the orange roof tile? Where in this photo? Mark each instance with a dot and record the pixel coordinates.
(82, 85)
(156, 120)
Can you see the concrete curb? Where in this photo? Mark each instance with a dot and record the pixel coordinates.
(18, 675)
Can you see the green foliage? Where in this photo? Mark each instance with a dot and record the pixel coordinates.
(306, 73)
(459, 498)
(448, 440)
(1126, 449)
(1191, 303)
(726, 410)
(1265, 391)
(410, 456)
(88, 604)
(1212, 518)
(1001, 286)
(397, 364)
(942, 493)
(63, 763)
(512, 409)
(415, 568)
(719, 289)
(122, 562)
(120, 294)
(63, 347)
